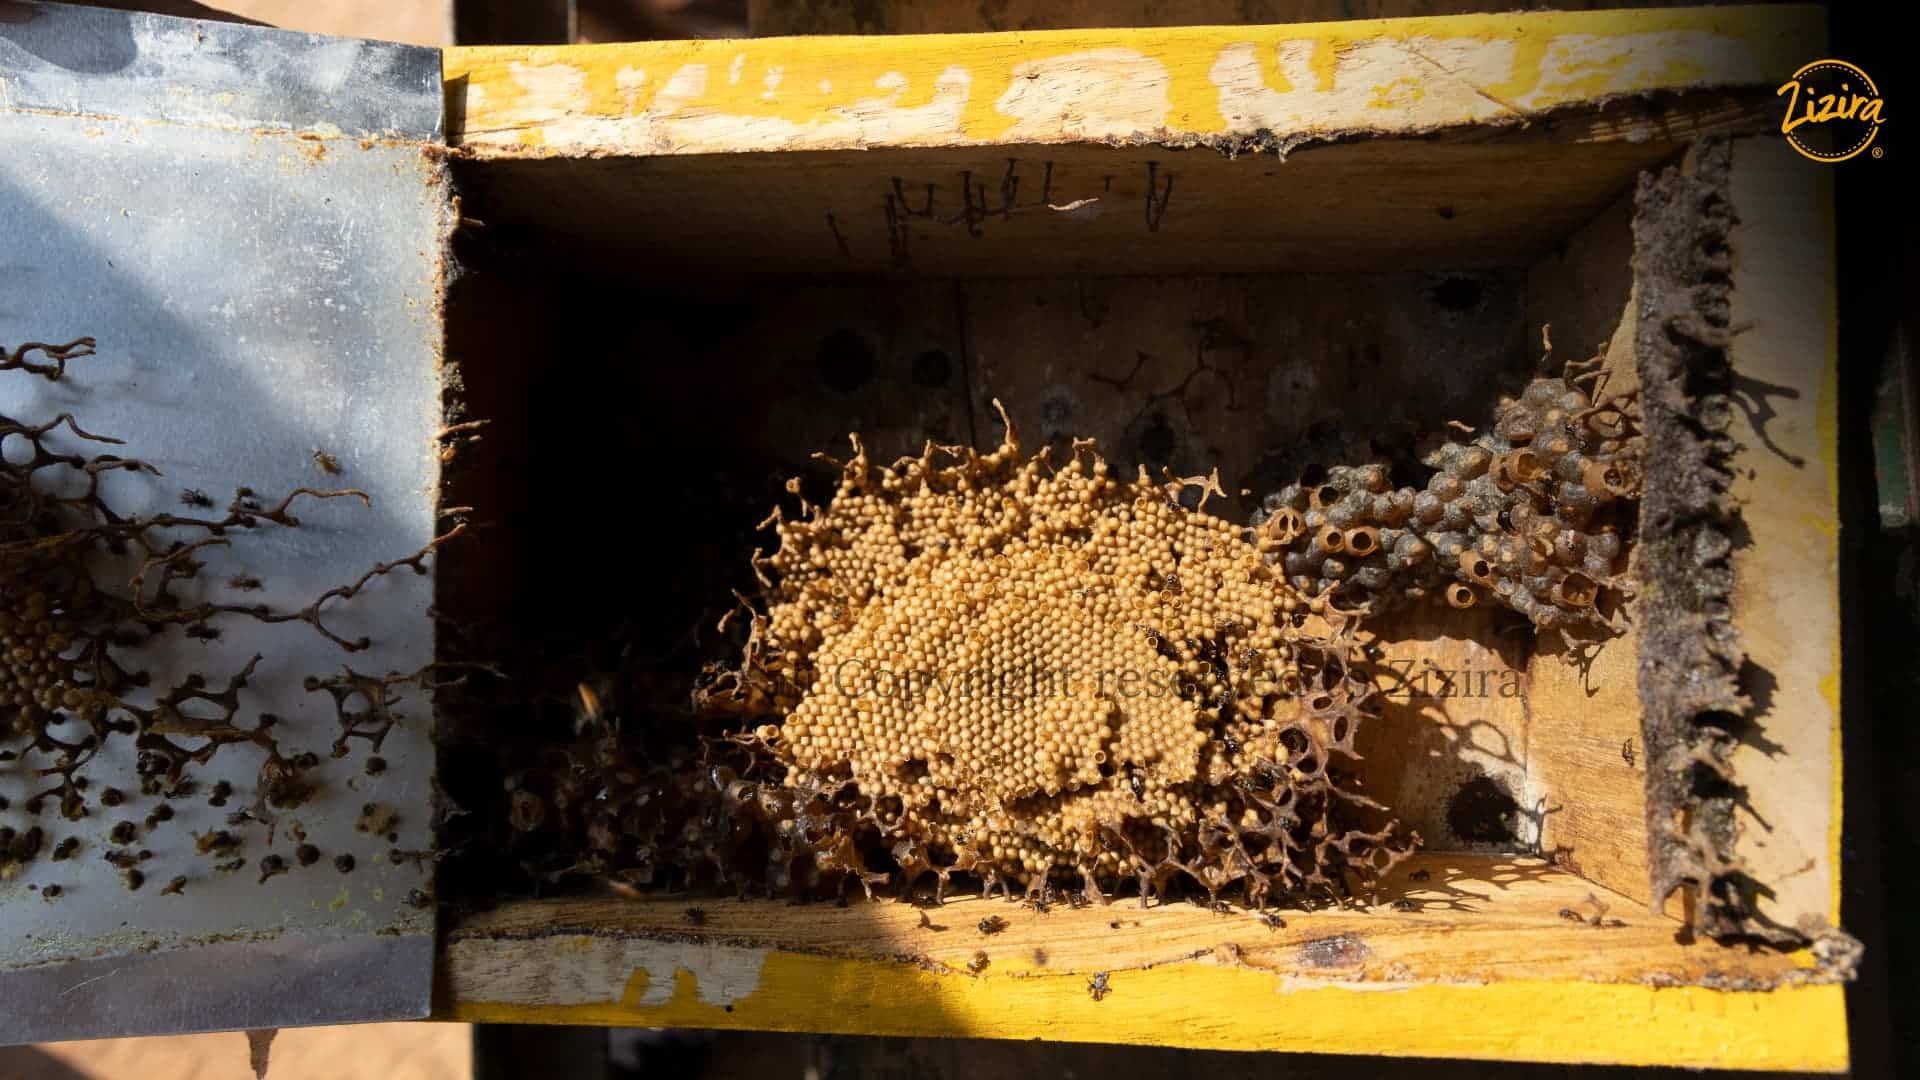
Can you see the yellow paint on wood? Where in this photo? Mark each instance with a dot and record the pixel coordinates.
(1395, 76)
(1461, 955)
(1212, 1006)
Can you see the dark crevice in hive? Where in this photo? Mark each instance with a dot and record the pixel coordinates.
(1482, 812)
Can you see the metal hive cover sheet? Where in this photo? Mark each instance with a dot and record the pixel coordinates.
(250, 226)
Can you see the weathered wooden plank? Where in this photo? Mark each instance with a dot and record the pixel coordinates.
(1450, 749)
(1786, 579)
(1284, 84)
(1586, 766)
(1257, 376)
(1484, 965)
(1073, 209)
(1062, 152)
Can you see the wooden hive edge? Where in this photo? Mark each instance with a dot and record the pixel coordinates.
(1229, 87)
(1489, 962)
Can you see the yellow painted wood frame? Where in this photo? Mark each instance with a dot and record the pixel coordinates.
(1184, 85)
(1480, 957)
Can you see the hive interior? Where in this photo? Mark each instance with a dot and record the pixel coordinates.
(646, 413)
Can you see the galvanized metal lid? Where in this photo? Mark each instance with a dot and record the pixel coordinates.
(251, 223)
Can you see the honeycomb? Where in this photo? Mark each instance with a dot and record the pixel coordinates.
(1041, 677)
(1528, 515)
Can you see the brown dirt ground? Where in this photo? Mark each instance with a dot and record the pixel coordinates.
(417, 1051)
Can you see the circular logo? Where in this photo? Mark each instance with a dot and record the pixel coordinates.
(1833, 110)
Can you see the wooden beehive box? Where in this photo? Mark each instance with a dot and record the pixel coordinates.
(680, 268)
(691, 264)
(1209, 247)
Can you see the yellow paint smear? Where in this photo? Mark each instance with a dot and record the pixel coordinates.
(948, 90)
(1208, 1006)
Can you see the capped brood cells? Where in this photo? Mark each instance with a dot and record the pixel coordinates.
(964, 646)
